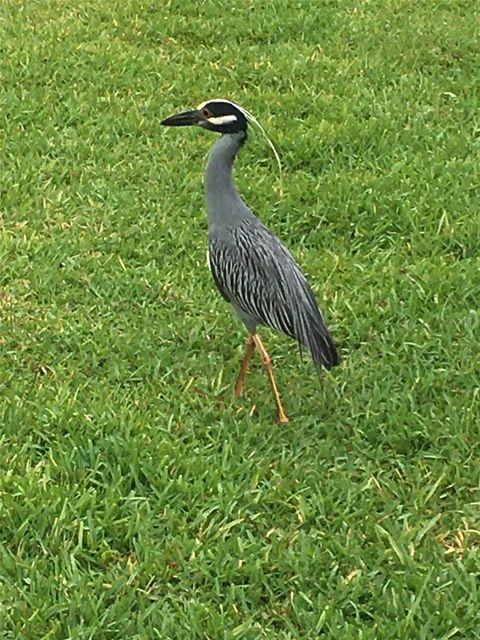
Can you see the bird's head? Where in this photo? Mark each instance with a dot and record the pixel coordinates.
(222, 116)
(217, 115)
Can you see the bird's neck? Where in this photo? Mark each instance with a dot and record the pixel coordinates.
(223, 200)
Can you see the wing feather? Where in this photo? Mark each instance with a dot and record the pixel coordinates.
(256, 273)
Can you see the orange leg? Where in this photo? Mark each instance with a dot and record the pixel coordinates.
(246, 361)
(282, 418)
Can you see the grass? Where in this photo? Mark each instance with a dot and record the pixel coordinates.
(138, 498)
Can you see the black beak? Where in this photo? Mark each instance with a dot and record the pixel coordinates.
(185, 119)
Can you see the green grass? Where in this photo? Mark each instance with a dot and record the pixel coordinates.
(138, 498)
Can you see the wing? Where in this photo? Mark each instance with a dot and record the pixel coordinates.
(245, 270)
(256, 273)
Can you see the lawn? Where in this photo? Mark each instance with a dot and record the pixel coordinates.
(138, 498)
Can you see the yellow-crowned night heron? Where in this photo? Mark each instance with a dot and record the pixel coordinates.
(252, 269)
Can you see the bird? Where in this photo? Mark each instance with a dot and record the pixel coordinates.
(251, 267)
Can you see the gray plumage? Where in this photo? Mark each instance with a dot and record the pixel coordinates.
(251, 267)
(253, 270)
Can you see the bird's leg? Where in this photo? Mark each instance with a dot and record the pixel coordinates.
(282, 418)
(246, 361)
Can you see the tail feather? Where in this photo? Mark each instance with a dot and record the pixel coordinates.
(306, 322)
(322, 348)
(312, 331)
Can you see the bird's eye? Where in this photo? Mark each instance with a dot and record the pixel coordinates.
(206, 113)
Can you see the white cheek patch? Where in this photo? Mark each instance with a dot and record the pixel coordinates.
(223, 119)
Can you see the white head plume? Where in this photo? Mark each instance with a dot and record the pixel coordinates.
(251, 118)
